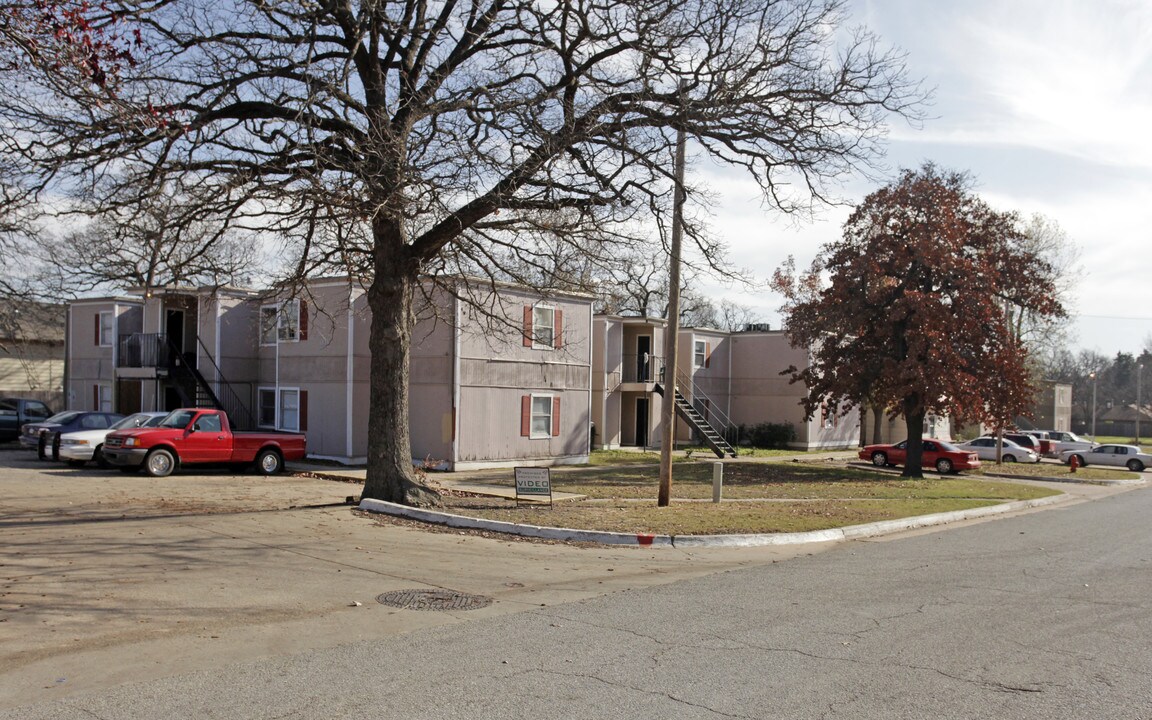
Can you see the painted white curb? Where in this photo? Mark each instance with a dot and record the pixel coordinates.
(540, 531)
(850, 532)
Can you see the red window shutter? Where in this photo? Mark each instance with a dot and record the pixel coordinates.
(303, 320)
(527, 326)
(558, 331)
(525, 415)
(555, 416)
(707, 354)
(96, 330)
(303, 409)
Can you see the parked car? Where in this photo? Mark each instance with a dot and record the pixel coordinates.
(944, 456)
(1069, 441)
(77, 448)
(1047, 442)
(985, 449)
(1128, 456)
(1024, 440)
(39, 435)
(15, 413)
(200, 436)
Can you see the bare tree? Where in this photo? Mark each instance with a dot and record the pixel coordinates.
(159, 240)
(1044, 238)
(448, 128)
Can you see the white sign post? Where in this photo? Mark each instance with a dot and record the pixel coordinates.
(533, 482)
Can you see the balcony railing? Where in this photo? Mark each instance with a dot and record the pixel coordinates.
(144, 350)
(641, 369)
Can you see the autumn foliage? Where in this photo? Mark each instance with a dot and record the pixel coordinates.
(907, 310)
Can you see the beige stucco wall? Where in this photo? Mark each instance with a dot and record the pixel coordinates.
(91, 364)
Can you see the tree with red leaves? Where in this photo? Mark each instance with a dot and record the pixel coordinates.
(908, 308)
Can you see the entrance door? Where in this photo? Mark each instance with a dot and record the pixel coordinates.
(174, 327)
(642, 422)
(644, 358)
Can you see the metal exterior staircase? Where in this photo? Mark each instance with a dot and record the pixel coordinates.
(195, 389)
(711, 436)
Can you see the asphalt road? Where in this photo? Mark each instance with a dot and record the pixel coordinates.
(1041, 615)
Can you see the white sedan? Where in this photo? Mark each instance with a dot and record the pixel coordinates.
(81, 446)
(1128, 456)
(985, 448)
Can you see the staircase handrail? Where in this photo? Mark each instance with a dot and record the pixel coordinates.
(238, 412)
(713, 409)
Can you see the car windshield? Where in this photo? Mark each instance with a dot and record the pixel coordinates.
(136, 420)
(178, 419)
(63, 418)
(949, 447)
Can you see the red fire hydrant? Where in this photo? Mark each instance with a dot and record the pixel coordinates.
(1073, 463)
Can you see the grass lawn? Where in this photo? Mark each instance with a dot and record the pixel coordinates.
(758, 498)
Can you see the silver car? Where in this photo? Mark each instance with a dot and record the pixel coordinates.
(985, 449)
(1128, 456)
(81, 446)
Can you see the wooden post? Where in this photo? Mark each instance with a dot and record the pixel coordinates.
(672, 328)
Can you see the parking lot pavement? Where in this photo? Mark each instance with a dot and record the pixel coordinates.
(109, 577)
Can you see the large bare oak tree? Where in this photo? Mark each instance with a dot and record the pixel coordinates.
(445, 128)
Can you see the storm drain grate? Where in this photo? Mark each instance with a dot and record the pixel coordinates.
(433, 600)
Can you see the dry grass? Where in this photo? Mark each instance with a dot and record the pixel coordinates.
(758, 498)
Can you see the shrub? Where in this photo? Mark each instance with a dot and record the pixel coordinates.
(762, 435)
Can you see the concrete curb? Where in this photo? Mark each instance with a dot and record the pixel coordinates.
(851, 532)
(539, 531)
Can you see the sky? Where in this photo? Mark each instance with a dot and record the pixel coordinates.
(1046, 103)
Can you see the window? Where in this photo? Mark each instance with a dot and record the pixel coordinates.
(267, 410)
(827, 417)
(286, 322)
(268, 321)
(701, 353)
(103, 398)
(543, 327)
(105, 329)
(539, 416)
(208, 423)
(290, 321)
(289, 410)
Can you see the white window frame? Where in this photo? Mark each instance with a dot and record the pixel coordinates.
(284, 405)
(699, 353)
(539, 311)
(550, 401)
(260, 393)
(269, 324)
(103, 398)
(107, 329)
(289, 326)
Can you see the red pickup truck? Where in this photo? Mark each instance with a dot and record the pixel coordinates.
(194, 436)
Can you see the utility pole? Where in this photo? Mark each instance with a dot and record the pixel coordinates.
(672, 328)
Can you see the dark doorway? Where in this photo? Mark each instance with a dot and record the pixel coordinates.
(129, 397)
(172, 399)
(644, 358)
(642, 422)
(175, 329)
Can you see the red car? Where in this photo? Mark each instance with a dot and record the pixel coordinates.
(943, 456)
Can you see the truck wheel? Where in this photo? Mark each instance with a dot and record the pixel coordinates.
(160, 463)
(269, 462)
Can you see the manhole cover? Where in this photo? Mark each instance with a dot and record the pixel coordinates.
(433, 600)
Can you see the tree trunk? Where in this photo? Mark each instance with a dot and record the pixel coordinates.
(877, 424)
(390, 473)
(914, 423)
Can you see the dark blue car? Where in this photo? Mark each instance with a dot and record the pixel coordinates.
(39, 435)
